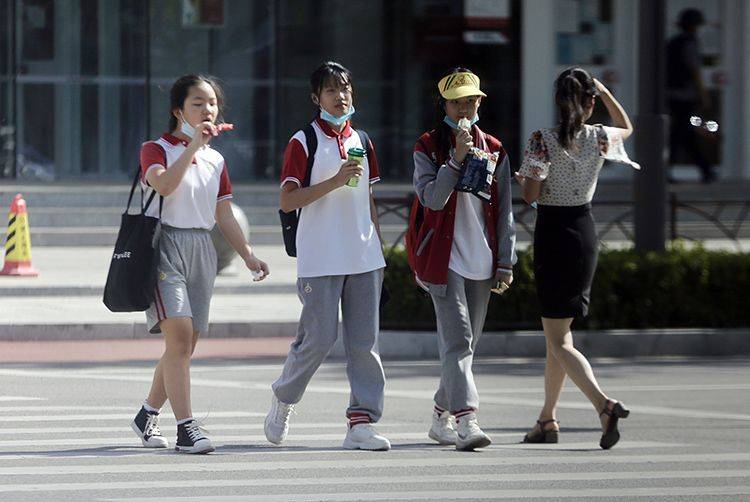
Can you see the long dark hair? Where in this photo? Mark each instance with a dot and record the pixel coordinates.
(442, 130)
(573, 88)
(179, 92)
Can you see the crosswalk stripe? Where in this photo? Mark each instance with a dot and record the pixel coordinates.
(123, 416)
(627, 388)
(495, 494)
(132, 440)
(20, 398)
(170, 423)
(167, 463)
(17, 409)
(412, 479)
(426, 395)
(537, 403)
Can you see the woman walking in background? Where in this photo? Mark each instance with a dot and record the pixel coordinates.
(559, 172)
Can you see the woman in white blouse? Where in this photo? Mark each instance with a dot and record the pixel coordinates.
(559, 172)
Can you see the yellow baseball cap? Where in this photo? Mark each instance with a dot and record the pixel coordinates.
(459, 85)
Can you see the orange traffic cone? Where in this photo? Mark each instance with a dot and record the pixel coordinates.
(18, 241)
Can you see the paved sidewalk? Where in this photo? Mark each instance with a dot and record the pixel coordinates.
(68, 291)
(64, 303)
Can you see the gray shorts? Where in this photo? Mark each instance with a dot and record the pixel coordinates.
(187, 270)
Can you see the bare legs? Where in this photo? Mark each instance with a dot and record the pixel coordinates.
(172, 374)
(564, 359)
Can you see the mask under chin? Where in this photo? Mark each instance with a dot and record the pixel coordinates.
(336, 120)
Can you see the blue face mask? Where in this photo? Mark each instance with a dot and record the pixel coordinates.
(453, 125)
(337, 121)
(186, 128)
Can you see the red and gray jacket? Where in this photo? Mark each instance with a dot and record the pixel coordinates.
(430, 236)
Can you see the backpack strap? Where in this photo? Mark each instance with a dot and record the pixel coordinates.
(365, 140)
(311, 140)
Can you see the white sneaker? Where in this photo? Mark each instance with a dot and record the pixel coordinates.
(365, 437)
(276, 426)
(443, 428)
(146, 425)
(468, 434)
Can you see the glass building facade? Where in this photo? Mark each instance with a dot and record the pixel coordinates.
(84, 82)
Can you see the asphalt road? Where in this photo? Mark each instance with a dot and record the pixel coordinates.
(66, 436)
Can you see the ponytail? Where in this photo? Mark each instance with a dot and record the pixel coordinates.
(573, 88)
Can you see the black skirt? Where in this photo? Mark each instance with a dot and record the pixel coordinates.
(565, 254)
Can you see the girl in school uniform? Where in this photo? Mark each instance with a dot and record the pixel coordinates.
(339, 261)
(465, 246)
(194, 181)
(559, 172)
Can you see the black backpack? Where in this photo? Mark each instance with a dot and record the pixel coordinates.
(290, 220)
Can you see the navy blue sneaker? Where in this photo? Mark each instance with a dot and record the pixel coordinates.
(190, 439)
(146, 426)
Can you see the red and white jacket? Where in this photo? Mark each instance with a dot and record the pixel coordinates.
(431, 225)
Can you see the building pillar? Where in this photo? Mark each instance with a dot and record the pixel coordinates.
(538, 66)
(650, 188)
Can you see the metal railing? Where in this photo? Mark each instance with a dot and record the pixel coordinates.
(690, 219)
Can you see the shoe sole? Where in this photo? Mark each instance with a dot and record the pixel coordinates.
(196, 451)
(436, 438)
(479, 442)
(356, 446)
(140, 435)
(548, 437)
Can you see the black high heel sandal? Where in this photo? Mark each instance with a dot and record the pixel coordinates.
(544, 436)
(611, 435)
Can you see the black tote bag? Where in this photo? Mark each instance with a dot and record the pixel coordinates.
(133, 270)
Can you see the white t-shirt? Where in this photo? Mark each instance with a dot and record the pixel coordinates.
(471, 255)
(335, 235)
(206, 181)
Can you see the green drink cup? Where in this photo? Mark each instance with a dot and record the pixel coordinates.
(355, 155)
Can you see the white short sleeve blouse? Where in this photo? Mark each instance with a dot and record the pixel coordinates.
(570, 175)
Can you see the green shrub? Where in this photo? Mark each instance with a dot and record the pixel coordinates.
(679, 288)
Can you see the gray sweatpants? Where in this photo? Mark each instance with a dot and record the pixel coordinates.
(460, 318)
(317, 331)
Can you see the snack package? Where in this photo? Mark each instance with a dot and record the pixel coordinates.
(476, 177)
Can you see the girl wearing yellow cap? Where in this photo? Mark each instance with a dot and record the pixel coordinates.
(460, 245)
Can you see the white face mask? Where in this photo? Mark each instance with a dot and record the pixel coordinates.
(186, 128)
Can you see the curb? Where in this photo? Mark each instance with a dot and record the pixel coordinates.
(137, 330)
(423, 344)
(609, 343)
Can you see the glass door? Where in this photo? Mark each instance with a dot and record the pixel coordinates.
(7, 109)
(44, 99)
